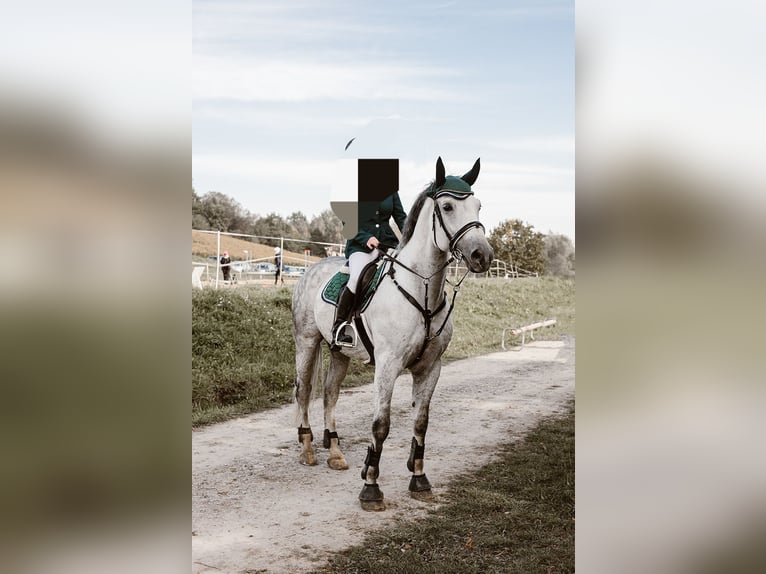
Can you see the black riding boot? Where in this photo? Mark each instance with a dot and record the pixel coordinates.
(342, 315)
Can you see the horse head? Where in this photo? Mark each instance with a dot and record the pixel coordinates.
(456, 225)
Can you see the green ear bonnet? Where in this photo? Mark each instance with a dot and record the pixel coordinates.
(452, 186)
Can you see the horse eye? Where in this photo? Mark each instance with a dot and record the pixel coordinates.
(447, 207)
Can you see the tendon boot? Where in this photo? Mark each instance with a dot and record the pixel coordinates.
(342, 316)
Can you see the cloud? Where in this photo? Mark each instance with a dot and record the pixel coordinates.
(223, 25)
(536, 177)
(505, 176)
(552, 144)
(288, 53)
(298, 172)
(277, 119)
(534, 9)
(292, 80)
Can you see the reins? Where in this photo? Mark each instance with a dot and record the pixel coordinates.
(455, 254)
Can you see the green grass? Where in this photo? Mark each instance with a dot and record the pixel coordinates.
(240, 345)
(515, 515)
(484, 307)
(243, 354)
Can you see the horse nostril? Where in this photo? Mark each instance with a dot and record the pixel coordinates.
(477, 257)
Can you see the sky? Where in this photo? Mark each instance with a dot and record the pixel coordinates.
(279, 88)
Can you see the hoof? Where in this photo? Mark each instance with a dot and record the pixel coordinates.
(371, 498)
(308, 458)
(373, 506)
(419, 484)
(424, 496)
(337, 463)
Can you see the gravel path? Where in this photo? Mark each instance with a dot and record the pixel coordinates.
(256, 509)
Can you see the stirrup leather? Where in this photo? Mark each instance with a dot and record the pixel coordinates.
(354, 337)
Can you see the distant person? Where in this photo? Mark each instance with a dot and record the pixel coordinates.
(278, 263)
(225, 266)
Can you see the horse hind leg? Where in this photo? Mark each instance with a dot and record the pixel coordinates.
(423, 385)
(335, 375)
(308, 363)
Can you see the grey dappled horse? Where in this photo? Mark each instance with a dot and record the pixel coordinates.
(408, 322)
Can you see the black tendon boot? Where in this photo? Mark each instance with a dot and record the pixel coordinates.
(342, 315)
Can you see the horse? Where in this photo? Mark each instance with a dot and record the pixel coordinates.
(408, 321)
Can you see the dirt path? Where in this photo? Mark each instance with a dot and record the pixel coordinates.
(256, 509)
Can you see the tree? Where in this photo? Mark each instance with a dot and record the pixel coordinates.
(300, 225)
(199, 221)
(218, 211)
(327, 228)
(223, 213)
(271, 225)
(274, 225)
(519, 244)
(559, 253)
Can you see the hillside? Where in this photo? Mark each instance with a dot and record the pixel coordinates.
(204, 244)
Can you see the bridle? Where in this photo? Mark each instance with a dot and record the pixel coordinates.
(453, 239)
(455, 255)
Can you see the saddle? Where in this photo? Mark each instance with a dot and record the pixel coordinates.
(368, 284)
(369, 280)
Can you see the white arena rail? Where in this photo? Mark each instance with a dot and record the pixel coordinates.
(515, 331)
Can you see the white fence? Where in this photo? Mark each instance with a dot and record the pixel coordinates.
(258, 269)
(250, 267)
(497, 269)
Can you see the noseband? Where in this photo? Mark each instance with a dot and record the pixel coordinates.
(453, 239)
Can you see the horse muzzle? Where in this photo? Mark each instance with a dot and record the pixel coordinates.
(479, 258)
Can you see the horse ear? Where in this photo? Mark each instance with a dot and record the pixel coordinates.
(440, 175)
(470, 177)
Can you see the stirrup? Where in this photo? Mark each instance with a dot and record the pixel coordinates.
(354, 338)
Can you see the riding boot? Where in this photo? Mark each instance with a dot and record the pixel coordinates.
(342, 315)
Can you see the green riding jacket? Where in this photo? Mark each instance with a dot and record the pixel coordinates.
(374, 221)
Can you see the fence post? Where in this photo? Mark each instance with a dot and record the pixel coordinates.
(218, 260)
(282, 257)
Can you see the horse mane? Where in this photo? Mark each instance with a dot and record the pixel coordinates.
(412, 216)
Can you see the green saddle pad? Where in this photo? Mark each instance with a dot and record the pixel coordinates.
(337, 282)
(334, 287)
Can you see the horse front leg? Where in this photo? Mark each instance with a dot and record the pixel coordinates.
(335, 375)
(423, 385)
(371, 497)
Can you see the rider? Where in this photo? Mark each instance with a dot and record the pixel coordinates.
(374, 229)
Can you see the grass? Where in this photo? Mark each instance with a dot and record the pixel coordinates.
(243, 351)
(485, 307)
(240, 342)
(514, 515)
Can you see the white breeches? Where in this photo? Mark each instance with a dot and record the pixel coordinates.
(356, 262)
